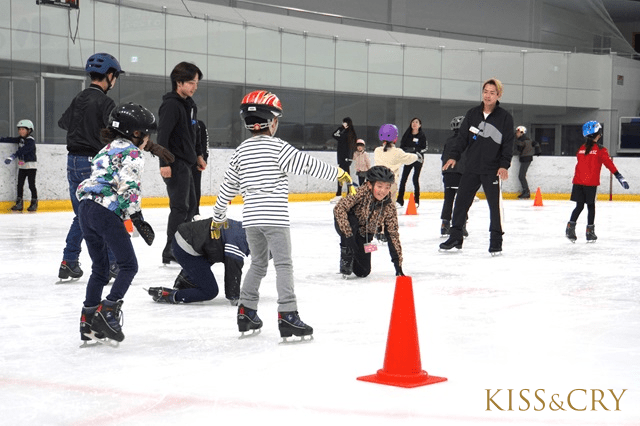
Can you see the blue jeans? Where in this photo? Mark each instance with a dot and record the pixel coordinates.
(78, 169)
(102, 230)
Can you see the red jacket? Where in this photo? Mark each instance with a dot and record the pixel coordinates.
(589, 165)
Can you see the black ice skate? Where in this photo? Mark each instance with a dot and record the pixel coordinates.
(248, 320)
(18, 206)
(495, 247)
(69, 269)
(106, 326)
(571, 232)
(182, 282)
(85, 327)
(451, 243)
(346, 261)
(591, 234)
(290, 324)
(163, 294)
(445, 228)
(33, 207)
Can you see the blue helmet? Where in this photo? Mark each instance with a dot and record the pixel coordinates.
(591, 128)
(101, 63)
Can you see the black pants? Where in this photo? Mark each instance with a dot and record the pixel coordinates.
(451, 183)
(30, 175)
(197, 183)
(361, 260)
(182, 199)
(522, 176)
(416, 167)
(469, 185)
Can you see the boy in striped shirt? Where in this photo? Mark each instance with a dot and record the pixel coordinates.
(258, 171)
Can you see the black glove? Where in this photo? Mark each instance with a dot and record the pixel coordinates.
(622, 180)
(145, 230)
(399, 272)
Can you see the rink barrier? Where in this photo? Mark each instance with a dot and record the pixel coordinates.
(209, 200)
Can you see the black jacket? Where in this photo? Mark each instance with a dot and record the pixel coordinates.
(178, 128)
(491, 148)
(231, 249)
(86, 116)
(411, 145)
(346, 144)
(446, 152)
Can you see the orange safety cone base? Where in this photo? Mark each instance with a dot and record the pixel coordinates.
(402, 380)
(538, 201)
(411, 207)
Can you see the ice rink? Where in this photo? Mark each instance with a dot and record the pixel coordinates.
(546, 318)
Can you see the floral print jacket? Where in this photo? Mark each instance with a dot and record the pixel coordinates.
(116, 172)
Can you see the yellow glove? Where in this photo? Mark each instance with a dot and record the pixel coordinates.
(216, 227)
(343, 177)
(351, 189)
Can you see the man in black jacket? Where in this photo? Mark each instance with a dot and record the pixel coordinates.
(177, 132)
(486, 135)
(84, 118)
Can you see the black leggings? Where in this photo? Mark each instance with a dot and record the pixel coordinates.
(591, 213)
(30, 175)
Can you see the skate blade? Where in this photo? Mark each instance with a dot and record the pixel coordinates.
(441, 250)
(101, 340)
(249, 334)
(66, 280)
(294, 340)
(496, 254)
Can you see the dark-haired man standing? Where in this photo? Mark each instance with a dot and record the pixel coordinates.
(177, 131)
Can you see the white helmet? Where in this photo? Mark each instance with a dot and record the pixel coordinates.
(522, 129)
(27, 124)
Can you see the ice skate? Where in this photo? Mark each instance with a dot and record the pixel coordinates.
(335, 199)
(69, 269)
(451, 243)
(445, 228)
(85, 327)
(182, 282)
(591, 235)
(525, 195)
(290, 324)
(248, 320)
(33, 207)
(571, 231)
(163, 294)
(346, 261)
(18, 206)
(106, 326)
(495, 248)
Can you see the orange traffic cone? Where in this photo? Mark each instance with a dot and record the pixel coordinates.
(538, 201)
(402, 365)
(411, 207)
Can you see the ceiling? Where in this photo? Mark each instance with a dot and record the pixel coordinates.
(623, 11)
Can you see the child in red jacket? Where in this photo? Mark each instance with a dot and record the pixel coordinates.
(591, 156)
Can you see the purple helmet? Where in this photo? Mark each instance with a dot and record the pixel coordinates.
(388, 133)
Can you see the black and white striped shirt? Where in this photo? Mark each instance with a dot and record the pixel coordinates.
(258, 171)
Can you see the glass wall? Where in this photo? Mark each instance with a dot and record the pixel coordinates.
(320, 79)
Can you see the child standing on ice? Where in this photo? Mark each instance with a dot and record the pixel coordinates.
(361, 161)
(109, 196)
(591, 156)
(258, 170)
(27, 164)
(389, 156)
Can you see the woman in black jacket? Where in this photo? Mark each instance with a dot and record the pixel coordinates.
(413, 141)
(346, 137)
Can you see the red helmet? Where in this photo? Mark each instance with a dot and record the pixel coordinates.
(259, 108)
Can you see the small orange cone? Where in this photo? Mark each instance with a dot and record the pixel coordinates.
(128, 225)
(411, 207)
(402, 365)
(538, 201)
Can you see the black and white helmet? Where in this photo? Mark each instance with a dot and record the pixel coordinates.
(129, 117)
(456, 122)
(380, 174)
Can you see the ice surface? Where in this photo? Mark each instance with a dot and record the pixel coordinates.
(547, 314)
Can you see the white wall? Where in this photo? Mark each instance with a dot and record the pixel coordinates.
(551, 174)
